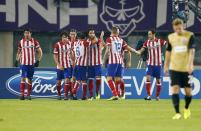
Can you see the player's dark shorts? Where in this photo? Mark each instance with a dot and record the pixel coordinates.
(27, 71)
(180, 78)
(154, 71)
(115, 70)
(63, 74)
(80, 73)
(94, 71)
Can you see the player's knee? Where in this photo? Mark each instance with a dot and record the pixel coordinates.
(67, 80)
(148, 79)
(29, 81)
(109, 78)
(175, 89)
(158, 81)
(188, 91)
(58, 83)
(22, 79)
(117, 78)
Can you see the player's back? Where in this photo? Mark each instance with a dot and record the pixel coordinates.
(115, 44)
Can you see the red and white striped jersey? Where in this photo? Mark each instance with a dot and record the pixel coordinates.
(28, 49)
(81, 52)
(95, 53)
(63, 50)
(116, 45)
(72, 43)
(154, 51)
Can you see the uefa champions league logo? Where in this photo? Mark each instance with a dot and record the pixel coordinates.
(124, 13)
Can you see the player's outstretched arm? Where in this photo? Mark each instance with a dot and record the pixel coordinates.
(139, 52)
(134, 50)
(129, 59)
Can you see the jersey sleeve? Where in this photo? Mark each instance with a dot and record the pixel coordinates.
(99, 42)
(192, 42)
(168, 46)
(144, 45)
(37, 45)
(55, 49)
(163, 42)
(108, 42)
(19, 45)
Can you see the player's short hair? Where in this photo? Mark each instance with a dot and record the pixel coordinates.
(153, 31)
(177, 21)
(90, 29)
(73, 30)
(28, 30)
(64, 33)
(114, 29)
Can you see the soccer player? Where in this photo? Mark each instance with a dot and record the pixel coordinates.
(154, 62)
(80, 70)
(179, 60)
(115, 45)
(62, 58)
(72, 41)
(94, 62)
(28, 49)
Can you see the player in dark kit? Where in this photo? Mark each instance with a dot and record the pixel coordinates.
(62, 58)
(28, 49)
(179, 60)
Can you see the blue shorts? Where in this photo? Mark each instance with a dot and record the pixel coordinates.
(115, 70)
(80, 73)
(94, 71)
(63, 74)
(27, 71)
(154, 71)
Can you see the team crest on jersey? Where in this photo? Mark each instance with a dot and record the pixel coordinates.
(124, 13)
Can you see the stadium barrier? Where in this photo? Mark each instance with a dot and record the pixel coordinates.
(45, 78)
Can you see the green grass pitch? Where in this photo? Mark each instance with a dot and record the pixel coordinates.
(102, 115)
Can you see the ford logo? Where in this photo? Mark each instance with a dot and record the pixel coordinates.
(43, 84)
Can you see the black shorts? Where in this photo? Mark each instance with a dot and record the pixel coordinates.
(180, 78)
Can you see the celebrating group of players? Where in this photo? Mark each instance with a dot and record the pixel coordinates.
(79, 61)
